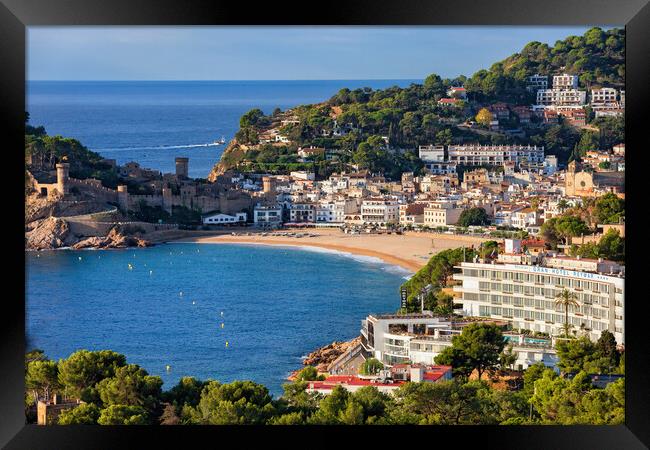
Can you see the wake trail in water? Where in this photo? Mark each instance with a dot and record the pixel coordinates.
(154, 147)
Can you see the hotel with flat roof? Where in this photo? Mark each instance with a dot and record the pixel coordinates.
(522, 289)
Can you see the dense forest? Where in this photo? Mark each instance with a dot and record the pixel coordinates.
(381, 129)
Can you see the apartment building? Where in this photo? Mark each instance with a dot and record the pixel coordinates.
(561, 97)
(418, 338)
(431, 153)
(522, 290)
(264, 214)
(376, 211)
(302, 212)
(495, 155)
(565, 81)
(441, 213)
(603, 96)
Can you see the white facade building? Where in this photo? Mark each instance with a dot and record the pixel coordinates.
(603, 96)
(302, 212)
(379, 211)
(496, 155)
(419, 338)
(565, 81)
(558, 97)
(271, 215)
(432, 153)
(222, 219)
(525, 294)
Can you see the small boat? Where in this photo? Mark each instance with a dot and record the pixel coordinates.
(220, 141)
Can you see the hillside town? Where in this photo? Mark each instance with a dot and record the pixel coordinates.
(507, 208)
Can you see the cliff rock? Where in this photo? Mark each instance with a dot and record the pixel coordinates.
(116, 238)
(324, 356)
(229, 159)
(47, 234)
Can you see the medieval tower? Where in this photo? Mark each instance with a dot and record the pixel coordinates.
(182, 166)
(62, 178)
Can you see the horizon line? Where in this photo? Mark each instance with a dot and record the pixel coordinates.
(248, 79)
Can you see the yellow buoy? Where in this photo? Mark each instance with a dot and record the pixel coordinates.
(222, 325)
(226, 343)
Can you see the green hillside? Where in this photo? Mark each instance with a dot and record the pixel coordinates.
(411, 116)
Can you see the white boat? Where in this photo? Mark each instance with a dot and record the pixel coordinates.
(220, 141)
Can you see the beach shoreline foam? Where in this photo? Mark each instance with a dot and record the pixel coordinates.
(410, 251)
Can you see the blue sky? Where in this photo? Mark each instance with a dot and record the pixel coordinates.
(273, 53)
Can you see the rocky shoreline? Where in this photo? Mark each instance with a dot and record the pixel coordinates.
(322, 357)
(54, 233)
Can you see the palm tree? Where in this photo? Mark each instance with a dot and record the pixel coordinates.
(562, 205)
(566, 298)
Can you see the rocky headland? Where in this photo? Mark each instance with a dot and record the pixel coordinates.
(47, 226)
(324, 356)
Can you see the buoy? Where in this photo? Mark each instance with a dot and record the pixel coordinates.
(80, 258)
(221, 324)
(180, 293)
(168, 367)
(194, 303)
(151, 272)
(130, 267)
(226, 343)
(221, 313)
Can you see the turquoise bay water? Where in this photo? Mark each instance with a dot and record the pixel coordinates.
(278, 304)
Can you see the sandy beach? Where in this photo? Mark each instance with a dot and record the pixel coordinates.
(410, 250)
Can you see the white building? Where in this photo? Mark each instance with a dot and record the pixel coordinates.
(271, 215)
(603, 96)
(441, 213)
(379, 211)
(565, 81)
(302, 175)
(334, 211)
(495, 155)
(223, 219)
(302, 212)
(441, 168)
(550, 164)
(561, 97)
(457, 92)
(525, 217)
(419, 338)
(431, 153)
(524, 294)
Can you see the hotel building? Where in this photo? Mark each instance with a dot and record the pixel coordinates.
(522, 289)
(495, 155)
(396, 339)
(557, 97)
(380, 211)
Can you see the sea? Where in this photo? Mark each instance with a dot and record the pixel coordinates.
(152, 122)
(213, 311)
(224, 312)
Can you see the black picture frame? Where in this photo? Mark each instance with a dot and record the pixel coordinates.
(15, 15)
